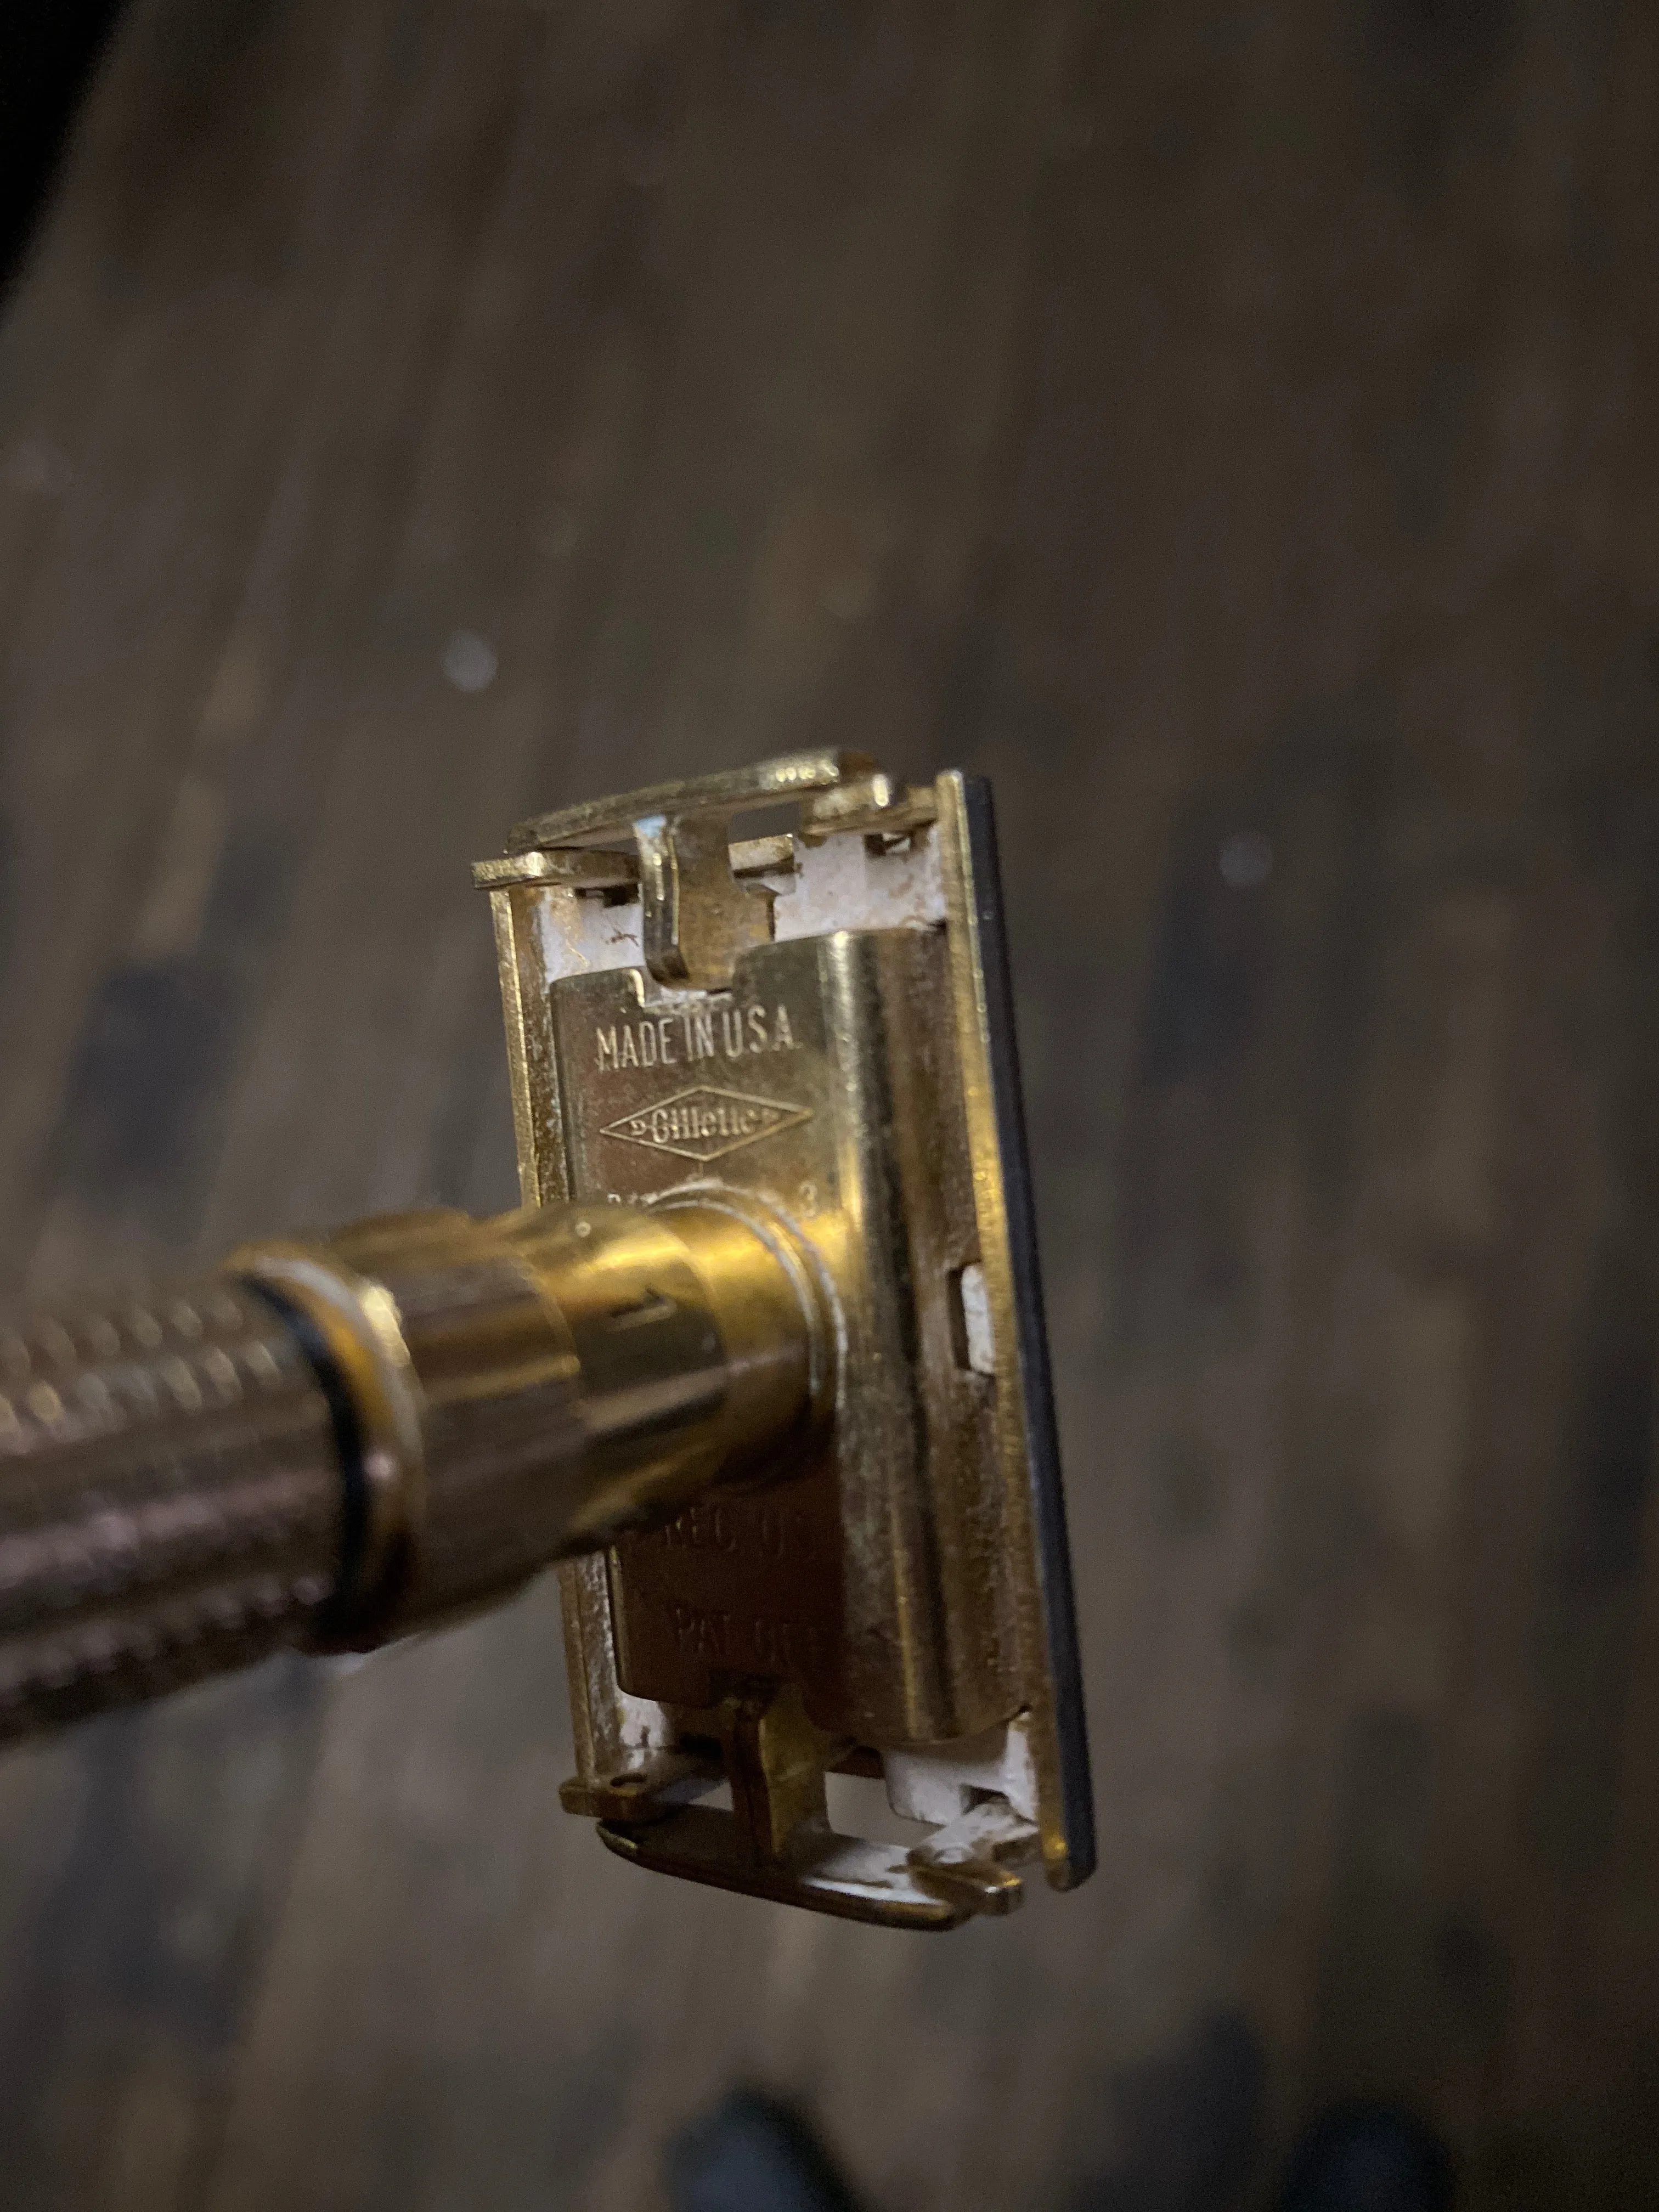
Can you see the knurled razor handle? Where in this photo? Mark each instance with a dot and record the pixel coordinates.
(341, 1439)
(170, 1500)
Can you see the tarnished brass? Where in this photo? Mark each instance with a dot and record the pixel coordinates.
(539, 1384)
(760, 1357)
(817, 1025)
(345, 1437)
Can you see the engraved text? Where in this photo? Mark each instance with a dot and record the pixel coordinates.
(679, 1040)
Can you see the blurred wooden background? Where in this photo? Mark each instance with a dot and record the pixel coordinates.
(1232, 427)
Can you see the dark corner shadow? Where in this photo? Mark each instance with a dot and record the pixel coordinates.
(48, 51)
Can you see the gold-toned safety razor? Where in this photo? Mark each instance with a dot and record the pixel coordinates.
(760, 1359)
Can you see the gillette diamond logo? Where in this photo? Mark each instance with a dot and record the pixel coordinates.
(705, 1124)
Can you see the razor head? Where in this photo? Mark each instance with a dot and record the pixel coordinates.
(813, 1025)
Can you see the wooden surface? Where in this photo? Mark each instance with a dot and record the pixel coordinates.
(1232, 428)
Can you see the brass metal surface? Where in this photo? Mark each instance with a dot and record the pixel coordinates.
(169, 1498)
(539, 1383)
(346, 1437)
(760, 1356)
(817, 1025)
(719, 797)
